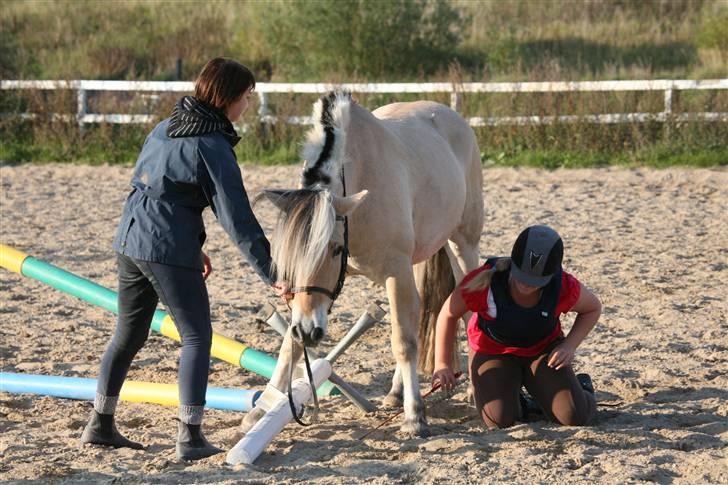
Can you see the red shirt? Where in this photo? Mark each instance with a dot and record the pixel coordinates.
(478, 301)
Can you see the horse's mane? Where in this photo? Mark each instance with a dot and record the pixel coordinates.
(304, 229)
(324, 147)
(302, 234)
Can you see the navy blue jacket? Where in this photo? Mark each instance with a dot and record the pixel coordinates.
(174, 180)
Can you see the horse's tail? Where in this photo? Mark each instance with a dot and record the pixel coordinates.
(435, 282)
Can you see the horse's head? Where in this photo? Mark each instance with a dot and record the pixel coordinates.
(309, 250)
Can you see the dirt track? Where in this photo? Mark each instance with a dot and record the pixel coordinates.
(652, 244)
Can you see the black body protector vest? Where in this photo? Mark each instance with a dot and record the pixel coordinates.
(514, 325)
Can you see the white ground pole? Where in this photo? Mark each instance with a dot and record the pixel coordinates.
(275, 419)
(371, 315)
(278, 409)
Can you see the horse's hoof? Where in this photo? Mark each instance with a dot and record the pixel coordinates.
(415, 428)
(392, 401)
(250, 419)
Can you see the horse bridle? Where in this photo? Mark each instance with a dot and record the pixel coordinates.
(344, 251)
(333, 295)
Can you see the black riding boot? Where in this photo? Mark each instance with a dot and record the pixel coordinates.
(529, 406)
(585, 381)
(192, 445)
(101, 430)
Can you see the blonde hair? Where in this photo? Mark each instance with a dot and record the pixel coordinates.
(482, 280)
(301, 237)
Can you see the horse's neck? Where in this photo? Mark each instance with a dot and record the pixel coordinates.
(358, 163)
(351, 154)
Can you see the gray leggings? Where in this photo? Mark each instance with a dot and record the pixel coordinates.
(497, 380)
(183, 292)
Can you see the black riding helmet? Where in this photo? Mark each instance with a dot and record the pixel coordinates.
(536, 255)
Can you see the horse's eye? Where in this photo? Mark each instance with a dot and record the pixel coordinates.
(338, 250)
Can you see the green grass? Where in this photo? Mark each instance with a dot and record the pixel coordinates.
(61, 142)
(657, 156)
(661, 156)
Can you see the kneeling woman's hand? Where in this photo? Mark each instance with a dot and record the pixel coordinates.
(445, 376)
(561, 356)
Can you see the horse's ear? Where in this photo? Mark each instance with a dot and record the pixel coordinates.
(281, 198)
(346, 205)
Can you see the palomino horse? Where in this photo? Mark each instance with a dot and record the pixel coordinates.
(415, 175)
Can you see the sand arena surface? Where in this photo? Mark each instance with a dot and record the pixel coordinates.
(653, 245)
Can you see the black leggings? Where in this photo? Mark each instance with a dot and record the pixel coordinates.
(182, 290)
(497, 380)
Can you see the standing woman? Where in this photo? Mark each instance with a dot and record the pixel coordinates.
(515, 335)
(187, 163)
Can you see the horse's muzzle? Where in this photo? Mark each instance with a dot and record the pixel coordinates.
(310, 339)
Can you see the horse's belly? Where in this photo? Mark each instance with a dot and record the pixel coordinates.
(423, 255)
(437, 217)
(424, 251)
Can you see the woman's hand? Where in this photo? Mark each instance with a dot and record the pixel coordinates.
(206, 266)
(561, 356)
(445, 376)
(283, 290)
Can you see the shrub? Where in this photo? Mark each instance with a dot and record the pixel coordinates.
(360, 38)
(713, 33)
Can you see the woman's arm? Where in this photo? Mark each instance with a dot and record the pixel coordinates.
(445, 330)
(588, 309)
(222, 183)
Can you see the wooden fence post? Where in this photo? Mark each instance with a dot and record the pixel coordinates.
(455, 99)
(81, 107)
(671, 100)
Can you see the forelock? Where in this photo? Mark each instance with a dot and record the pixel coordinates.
(302, 234)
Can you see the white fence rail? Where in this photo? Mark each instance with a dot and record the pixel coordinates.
(670, 88)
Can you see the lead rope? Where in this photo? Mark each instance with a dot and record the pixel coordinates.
(334, 295)
(424, 396)
(292, 404)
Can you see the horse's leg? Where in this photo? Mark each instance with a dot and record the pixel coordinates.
(395, 396)
(396, 393)
(404, 306)
(289, 355)
(463, 256)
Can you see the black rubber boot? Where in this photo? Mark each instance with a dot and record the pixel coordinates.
(101, 430)
(586, 383)
(192, 445)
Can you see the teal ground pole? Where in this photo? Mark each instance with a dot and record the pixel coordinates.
(250, 359)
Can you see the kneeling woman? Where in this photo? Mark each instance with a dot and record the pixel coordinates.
(515, 335)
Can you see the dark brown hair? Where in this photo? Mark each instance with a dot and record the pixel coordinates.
(222, 81)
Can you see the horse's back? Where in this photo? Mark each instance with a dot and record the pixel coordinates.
(419, 119)
(413, 109)
(427, 165)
